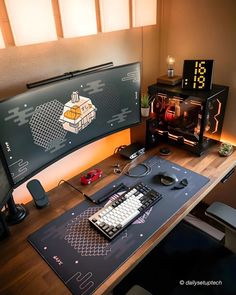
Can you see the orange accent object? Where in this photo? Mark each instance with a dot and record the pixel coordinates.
(215, 117)
(73, 113)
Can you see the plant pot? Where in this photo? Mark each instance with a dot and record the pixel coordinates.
(225, 149)
(145, 112)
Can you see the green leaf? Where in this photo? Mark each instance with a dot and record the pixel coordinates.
(145, 100)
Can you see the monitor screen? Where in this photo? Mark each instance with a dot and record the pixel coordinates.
(5, 185)
(46, 123)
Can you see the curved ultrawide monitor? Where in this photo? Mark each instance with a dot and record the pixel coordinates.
(46, 123)
(5, 185)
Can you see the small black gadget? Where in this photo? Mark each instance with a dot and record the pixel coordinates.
(38, 193)
(182, 184)
(132, 151)
(164, 151)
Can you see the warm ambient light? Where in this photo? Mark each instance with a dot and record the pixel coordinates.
(144, 12)
(170, 62)
(31, 21)
(78, 17)
(114, 15)
(2, 44)
(227, 137)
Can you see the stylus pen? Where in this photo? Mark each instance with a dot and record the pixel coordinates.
(112, 192)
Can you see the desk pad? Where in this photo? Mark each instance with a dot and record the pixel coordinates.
(82, 257)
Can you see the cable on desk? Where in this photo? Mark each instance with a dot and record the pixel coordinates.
(119, 171)
(75, 188)
(147, 171)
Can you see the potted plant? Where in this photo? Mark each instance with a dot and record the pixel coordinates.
(226, 149)
(145, 105)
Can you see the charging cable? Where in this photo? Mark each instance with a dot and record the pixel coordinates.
(147, 171)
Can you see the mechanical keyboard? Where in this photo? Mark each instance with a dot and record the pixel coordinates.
(118, 214)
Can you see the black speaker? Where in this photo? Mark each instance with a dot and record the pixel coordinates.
(152, 138)
(38, 193)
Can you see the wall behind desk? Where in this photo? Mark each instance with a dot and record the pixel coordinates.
(203, 29)
(26, 64)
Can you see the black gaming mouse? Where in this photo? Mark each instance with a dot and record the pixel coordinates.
(167, 178)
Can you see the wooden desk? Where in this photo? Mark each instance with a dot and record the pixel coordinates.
(23, 271)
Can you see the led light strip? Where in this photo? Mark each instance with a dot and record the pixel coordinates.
(218, 113)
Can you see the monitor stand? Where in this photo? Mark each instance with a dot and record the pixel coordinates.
(15, 213)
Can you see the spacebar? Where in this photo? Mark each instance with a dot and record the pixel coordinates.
(129, 218)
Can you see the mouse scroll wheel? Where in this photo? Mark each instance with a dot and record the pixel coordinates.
(167, 180)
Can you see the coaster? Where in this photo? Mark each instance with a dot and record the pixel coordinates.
(164, 151)
(169, 80)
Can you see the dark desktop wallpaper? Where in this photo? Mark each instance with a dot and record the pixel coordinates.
(43, 124)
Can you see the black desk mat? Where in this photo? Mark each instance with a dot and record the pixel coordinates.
(82, 257)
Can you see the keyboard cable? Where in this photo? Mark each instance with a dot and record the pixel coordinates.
(75, 188)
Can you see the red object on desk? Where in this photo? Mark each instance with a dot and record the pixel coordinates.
(91, 176)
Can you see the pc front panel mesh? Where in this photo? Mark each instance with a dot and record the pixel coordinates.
(44, 124)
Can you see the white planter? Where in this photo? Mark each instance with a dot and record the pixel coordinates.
(145, 112)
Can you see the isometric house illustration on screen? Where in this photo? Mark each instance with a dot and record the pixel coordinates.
(78, 113)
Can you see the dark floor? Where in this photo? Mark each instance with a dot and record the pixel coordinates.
(200, 256)
(186, 255)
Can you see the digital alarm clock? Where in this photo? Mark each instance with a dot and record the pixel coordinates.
(197, 74)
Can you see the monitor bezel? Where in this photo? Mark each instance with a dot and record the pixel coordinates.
(63, 155)
(10, 180)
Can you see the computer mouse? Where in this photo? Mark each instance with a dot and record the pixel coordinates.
(167, 178)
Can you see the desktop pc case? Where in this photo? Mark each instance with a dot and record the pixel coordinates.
(191, 119)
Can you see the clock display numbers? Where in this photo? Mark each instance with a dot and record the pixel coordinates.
(197, 74)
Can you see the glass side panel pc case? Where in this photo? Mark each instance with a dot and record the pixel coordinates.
(192, 119)
(44, 124)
